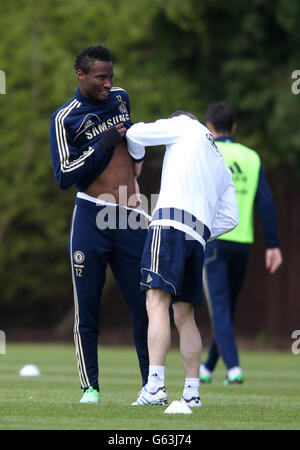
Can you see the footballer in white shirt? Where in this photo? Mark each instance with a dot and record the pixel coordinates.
(196, 203)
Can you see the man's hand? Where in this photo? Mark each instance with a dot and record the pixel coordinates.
(112, 136)
(273, 259)
(121, 129)
(138, 168)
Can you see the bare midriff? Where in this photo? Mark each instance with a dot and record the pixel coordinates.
(117, 183)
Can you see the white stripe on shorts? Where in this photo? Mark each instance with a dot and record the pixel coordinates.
(155, 248)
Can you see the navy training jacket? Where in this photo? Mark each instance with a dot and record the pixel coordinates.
(75, 129)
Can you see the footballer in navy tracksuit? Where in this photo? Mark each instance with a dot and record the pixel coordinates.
(88, 149)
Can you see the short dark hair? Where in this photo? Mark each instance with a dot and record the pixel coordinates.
(221, 117)
(183, 113)
(87, 56)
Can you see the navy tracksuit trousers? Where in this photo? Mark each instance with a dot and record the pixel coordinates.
(91, 250)
(224, 272)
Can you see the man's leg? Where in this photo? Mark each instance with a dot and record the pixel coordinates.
(159, 339)
(162, 269)
(159, 329)
(190, 348)
(189, 338)
(206, 369)
(88, 276)
(224, 274)
(125, 264)
(219, 297)
(237, 272)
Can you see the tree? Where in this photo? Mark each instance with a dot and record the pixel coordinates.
(168, 55)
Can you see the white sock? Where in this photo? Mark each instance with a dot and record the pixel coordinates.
(204, 372)
(191, 388)
(234, 372)
(156, 378)
(158, 370)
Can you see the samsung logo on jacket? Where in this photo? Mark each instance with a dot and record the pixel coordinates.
(101, 127)
(75, 129)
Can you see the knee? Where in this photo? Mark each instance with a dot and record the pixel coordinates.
(183, 313)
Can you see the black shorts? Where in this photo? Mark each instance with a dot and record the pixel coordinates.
(174, 264)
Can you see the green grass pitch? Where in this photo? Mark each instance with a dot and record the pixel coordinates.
(268, 400)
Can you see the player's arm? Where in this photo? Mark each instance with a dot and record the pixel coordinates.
(267, 213)
(161, 132)
(227, 216)
(138, 168)
(72, 164)
(139, 157)
(266, 210)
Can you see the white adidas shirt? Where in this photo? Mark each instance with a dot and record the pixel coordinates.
(194, 177)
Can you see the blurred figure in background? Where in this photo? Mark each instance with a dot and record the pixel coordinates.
(226, 258)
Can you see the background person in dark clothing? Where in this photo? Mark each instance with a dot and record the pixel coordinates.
(226, 258)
